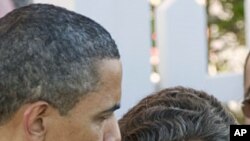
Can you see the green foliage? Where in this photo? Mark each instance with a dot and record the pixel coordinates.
(234, 23)
(226, 30)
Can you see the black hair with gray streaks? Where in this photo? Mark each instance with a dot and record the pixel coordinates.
(49, 53)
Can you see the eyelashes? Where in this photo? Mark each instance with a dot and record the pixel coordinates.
(104, 117)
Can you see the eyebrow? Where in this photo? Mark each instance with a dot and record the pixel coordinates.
(112, 109)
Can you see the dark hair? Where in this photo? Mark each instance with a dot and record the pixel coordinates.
(49, 53)
(177, 114)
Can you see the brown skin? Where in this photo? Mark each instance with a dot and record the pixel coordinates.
(92, 119)
(246, 104)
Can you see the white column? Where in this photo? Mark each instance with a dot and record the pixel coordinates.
(182, 41)
(128, 22)
(68, 4)
(247, 21)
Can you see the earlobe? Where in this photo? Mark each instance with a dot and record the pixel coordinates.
(34, 121)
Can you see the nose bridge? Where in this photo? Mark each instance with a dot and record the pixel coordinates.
(112, 130)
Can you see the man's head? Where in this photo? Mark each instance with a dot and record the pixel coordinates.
(246, 101)
(177, 114)
(60, 76)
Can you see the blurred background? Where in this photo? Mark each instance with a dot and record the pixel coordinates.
(163, 43)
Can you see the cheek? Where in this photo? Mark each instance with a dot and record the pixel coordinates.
(74, 131)
(87, 132)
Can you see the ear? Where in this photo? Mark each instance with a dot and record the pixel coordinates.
(34, 121)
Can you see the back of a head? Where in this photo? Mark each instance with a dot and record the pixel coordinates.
(177, 114)
(49, 53)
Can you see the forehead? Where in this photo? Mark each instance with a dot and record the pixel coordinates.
(108, 92)
(110, 73)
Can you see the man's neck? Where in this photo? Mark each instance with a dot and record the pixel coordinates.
(3, 134)
(9, 134)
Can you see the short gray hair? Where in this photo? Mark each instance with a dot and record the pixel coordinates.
(49, 53)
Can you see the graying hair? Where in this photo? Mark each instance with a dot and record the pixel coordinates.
(49, 53)
(177, 114)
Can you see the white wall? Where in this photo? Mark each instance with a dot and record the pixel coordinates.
(181, 28)
(69, 4)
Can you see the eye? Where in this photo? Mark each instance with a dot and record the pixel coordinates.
(105, 116)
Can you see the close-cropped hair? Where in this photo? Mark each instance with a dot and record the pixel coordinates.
(177, 114)
(51, 54)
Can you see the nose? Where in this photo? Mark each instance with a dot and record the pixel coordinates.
(112, 130)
